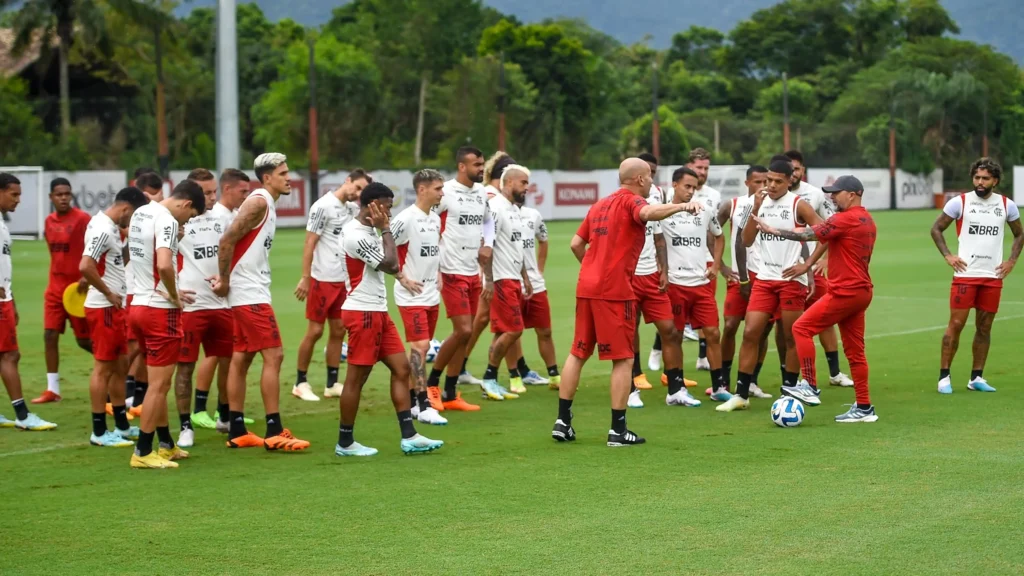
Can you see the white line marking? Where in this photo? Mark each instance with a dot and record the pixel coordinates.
(41, 449)
(926, 299)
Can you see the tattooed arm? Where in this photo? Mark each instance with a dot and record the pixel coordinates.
(250, 214)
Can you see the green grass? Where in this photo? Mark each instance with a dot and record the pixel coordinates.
(933, 488)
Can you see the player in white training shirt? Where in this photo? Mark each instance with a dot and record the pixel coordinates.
(700, 163)
(323, 281)
(981, 217)
(243, 267)
(102, 266)
(372, 336)
(417, 235)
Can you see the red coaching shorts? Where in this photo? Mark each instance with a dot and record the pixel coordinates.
(214, 329)
(159, 333)
(735, 303)
(461, 294)
(654, 303)
(820, 289)
(56, 318)
(419, 321)
(608, 324)
(372, 336)
(693, 305)
(537, 311)
(108, 329)
(978, 293)
(324, 300)
(255, 328)
(770, 296)
(8, 327)
(507, 307)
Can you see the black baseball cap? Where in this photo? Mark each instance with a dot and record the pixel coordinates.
(844, 184)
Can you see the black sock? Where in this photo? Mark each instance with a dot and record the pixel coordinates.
(332, 376)
(757, 371)
(565, 410)
(790, 378)
(726, 373)
(129, 387)
(345, 435)
(412, 397)
(943, 373)
(743, 384)
(274, 427)
(140, 393)
(514, 373)
(553, 370)
(702, 348)
(782, 370)
(451, 385)
(201, 397)
(144, 446)
(120, 418)
(464, 362)
(675, 380)
(186, 421)
(422, 400)
(619, 421)
(491, 373)
(521, 365)
(833, 363)
(435, 377)
(632, 387)
(863, 406)
(657, 342)
(300, 377)
(405, 423)
(163, 435)
(20, 410)
(976, 374)
(223, 412)
(237, 425)
(99, 424)
(637, 370)
(716, 379)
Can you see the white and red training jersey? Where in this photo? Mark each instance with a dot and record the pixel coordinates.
(152, 228)
(103, 244)
(198, 254)
(980, 228)
(6, 269)
(463, 211)
(712, 201)
(364, 251)
(777, 253)
(327, 217)
(818, 201)
(738, 215)
(250, 263)
(507, 263)
(417, 235)
(685, 241)
(534, 232)
(647, 264)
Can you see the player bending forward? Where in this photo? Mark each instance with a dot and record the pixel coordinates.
(978, 268)
(372, 335)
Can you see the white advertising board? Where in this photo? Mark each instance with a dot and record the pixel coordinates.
(875, 180)
(917, 191)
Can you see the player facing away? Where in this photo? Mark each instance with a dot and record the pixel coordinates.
(508, 271)
(64, 231)
(463, 210)
(243, 277)
(417, 235)
(774, 294)
(607, 245)
(323, 282)
(10, 197)
(981, 217)
(373, 337)
(850, 239)
(102, 267)
(156, 312)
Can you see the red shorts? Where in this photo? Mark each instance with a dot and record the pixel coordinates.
(159, 333)
(8, 327)
(324, 300)
(714, 281)
(537, 311)
(130, 332)
(108, 329)
(772, 296)
(461, 294)
(372, 336)
(820, 289)
(608, 324)
(735, 303)
(978, 293)
(214, 329)
(255, 328)
(56, 318)
(693, 305)
(419, 321)
(507, 307)
(654, 303)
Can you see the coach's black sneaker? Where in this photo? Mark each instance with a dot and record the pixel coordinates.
(563, 432)
(627, 438)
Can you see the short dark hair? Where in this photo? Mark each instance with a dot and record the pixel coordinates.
(678, 174)
(190, 190)
(359, 173)
(426, 176)
(131, 195)
(649, 158)
(780, 167)
(59, 182)
(143, 170)
(149, 180)
(779, 158)
(989, 165)
(795, 155)
(500, 165)
(699, 154)
(201, 175)
(7, 180)
(756, 169)
(461, 153)
(374, 191)
(232, 176)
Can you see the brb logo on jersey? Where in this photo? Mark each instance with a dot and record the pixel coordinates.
(470, 219)
(201, 252)
(429, 251)
(980, 230)
(687, 241)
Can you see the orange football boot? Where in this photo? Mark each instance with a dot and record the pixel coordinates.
(285, 441)
(47, 397)
(434, 395)
(460, 405)
(250, 440)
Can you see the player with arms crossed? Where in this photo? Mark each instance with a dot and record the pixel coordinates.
(373, 337)
(417, 234)
(978, 267)
(322, 285)
(102, 267)
(64, 231)
(608, 245)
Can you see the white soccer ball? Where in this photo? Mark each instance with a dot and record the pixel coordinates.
(435, 345)
(787, 412)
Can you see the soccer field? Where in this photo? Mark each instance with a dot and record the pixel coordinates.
(933, 488)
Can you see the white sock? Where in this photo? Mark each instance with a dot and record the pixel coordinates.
(53, 382)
